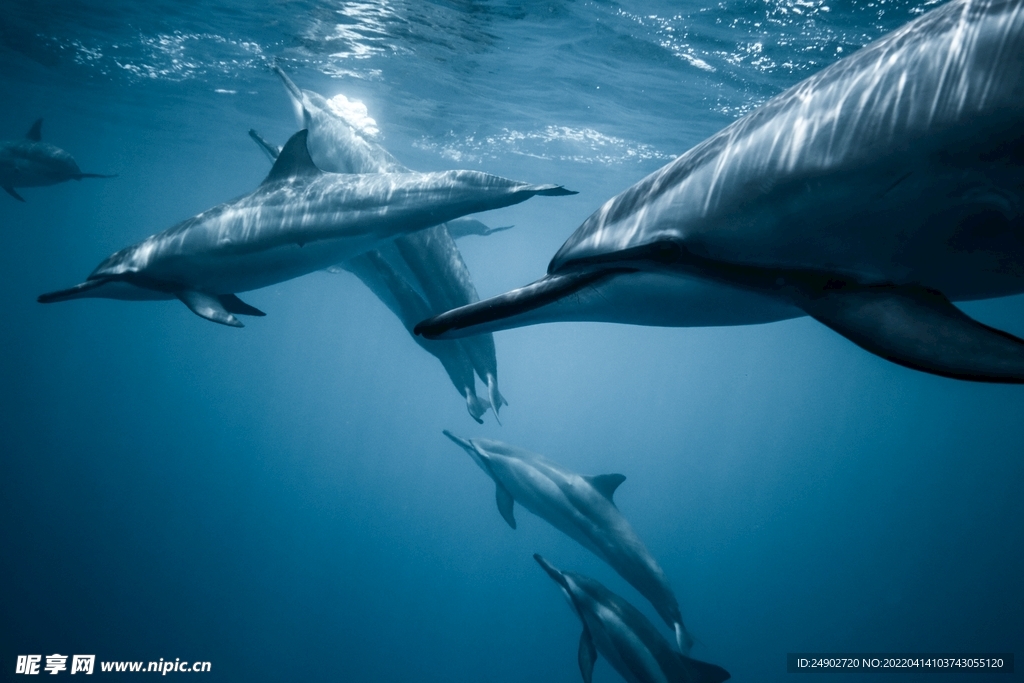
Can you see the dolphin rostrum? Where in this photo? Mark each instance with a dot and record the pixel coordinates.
(428, 258)
(30, 162)
(299, 220)
(869, 196)
(582, 508)
(626, 638)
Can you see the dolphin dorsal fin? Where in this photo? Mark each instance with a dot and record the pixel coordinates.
(606, 484)
(35, 133)
(293, 161)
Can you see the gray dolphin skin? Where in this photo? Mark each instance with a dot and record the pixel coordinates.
(299, 220)
(429, 258)
(869, 196)
(626, 638)
(582, 508)
(30, 162)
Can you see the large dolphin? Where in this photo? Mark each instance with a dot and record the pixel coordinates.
(30, 162)
(582, 508)
(626, 638)
(869, 196)
(430, 257)
(299, 220)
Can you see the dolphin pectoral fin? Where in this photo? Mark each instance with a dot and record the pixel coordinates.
(10, 190)
(208, 306)
(702, 672)
(487, 315)
(505, 504)
(232, 304)
(683, 638)
(605, 484)
(921, 329)
(587, 655)
(35, 133)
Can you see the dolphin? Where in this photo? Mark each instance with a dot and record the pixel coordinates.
(30, 162)
(382, 278)
(464, 227)
(582, 508)
(626, 638)
(430, 257)
(299, 220)
(868, 196)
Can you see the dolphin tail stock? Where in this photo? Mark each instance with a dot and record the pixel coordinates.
(918, 328)
(512, 309)
(10, 190)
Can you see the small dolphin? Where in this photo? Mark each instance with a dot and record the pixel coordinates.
(299, 220)
(582, 508)
(869, 196)
(626, 638)
(470, 226)
(33, 163)
(430, 257)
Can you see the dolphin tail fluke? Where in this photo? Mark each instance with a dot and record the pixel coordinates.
(77, 292)
(477, 407)
(702, 672)
(208, 306)
(921, 329)
(10, 190)
(508, 310)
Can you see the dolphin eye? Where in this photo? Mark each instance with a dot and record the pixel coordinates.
(666, 251)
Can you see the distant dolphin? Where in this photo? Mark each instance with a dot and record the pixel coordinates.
(868, 196)
(470, 226)
(630, 643)
(33, 163)
(582, 508)
(299, 220)
(430, 257)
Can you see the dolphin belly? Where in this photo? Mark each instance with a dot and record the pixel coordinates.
(651, 298)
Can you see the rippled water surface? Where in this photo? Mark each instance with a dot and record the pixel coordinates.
(280, 501)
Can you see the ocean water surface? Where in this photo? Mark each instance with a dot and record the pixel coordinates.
(280, 500)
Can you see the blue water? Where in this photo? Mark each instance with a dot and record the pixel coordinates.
(280, 501)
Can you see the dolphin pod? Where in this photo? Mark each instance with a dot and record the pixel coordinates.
(630, 643)
(582, 508)
(422, 271)
(299, 220)
(30, 162)
(869, 196)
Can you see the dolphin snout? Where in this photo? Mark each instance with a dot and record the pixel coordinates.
(462, 442)
(550, 569)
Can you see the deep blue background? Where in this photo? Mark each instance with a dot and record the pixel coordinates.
(280, 500)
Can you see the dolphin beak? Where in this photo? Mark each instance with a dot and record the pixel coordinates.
(462, 442)
(552, 571)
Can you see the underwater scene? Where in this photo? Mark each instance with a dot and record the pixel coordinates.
(499, 342)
